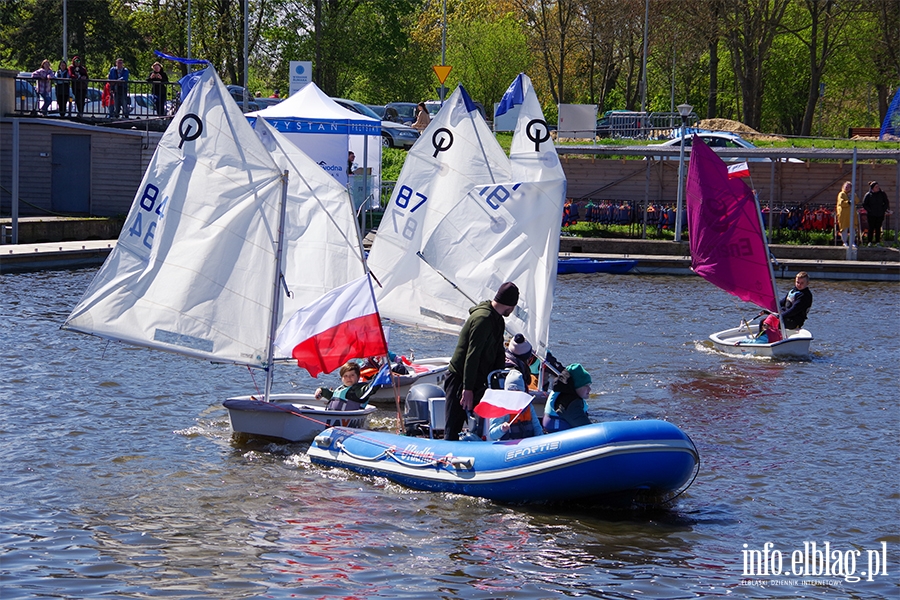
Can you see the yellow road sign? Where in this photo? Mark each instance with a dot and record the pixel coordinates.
(442, 71)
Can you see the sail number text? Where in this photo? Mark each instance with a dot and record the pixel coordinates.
(149, 204)
(406, 224)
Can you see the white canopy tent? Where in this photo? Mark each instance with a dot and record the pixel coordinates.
(326, 132)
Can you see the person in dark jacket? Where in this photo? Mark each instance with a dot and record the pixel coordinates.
(479, 351)
(159, 79)
(79, 76)
(876, 204)
(797, 302)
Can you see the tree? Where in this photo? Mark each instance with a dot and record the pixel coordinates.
(752, 26)
(487, 56)
(98, 30)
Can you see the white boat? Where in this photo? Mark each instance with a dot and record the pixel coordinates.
(291, 417)
(729, 249)
(739, 341)
(421, 370)
(218, 246)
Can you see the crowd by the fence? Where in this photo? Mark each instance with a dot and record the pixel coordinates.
(809, 218)
(68, 92)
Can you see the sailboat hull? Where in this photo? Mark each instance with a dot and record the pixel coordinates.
(736, 341)
(645, 461)
(425, 370)
(290, 417)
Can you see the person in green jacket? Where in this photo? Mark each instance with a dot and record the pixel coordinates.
(479, 351)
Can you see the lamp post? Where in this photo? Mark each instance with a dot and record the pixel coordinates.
(684, 110)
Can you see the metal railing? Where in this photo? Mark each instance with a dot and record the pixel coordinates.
(140, 99)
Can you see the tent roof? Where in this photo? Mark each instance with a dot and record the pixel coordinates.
(311, 103)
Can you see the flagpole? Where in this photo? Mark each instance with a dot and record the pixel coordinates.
(276, 292)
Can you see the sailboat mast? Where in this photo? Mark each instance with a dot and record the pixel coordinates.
(276, 292)
(765, 241)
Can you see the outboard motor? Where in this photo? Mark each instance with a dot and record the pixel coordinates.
(415, 407)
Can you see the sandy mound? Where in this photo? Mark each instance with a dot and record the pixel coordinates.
(726, 125)
(745, 131)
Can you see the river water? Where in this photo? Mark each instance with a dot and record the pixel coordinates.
(120, 478)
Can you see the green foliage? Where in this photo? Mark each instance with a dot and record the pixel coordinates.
(392, 160)
(486, 56)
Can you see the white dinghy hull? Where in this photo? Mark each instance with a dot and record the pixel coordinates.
(425, 370)
(737, 341)
(290, 417)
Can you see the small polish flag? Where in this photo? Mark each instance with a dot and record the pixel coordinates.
(341, 325)
(739, 170)
(496, 403)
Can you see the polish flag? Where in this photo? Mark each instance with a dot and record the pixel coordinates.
(341, 325)
(739, 170)
(496, 403)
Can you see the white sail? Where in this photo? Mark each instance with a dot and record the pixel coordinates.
(532, 152)
(480, 243)
(456, 152)
(459, 224)
(322, 246)
(194, 267)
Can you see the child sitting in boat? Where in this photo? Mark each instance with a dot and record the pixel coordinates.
(567, 405)
(515, 427)
(350, 395)
(769, 332)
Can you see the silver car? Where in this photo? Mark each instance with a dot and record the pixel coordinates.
(393, 135)
(721, 139)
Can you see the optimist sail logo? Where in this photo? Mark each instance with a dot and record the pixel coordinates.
(816, 560)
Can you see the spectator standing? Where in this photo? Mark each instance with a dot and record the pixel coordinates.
(78, 75)
(43, 76)
(877, 206)
(843, 210)
(159, 79)
(62, 88)
(118, 86)
(423, 119)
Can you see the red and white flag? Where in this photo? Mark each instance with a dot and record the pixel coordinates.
(496, 403)
(341, 325)
(739, 170)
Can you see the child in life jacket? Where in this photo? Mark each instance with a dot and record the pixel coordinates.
(350, 395)
(769, 331)
(567, 405)
(515, 427)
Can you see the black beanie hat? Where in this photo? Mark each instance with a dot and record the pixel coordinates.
(508, 294)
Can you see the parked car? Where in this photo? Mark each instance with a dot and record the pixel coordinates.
(27, 98)
(620, 123)
(722, 139)
(434, 106)
(393, 135)
(237, 92)
(138, 105)
(377, 109)
(401, 112)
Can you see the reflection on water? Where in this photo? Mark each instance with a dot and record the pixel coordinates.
(121, 477)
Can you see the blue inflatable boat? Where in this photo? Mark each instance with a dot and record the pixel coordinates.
(633, 461)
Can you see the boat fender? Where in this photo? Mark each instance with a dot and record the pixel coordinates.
(462, 462)
(323, 440)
